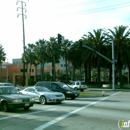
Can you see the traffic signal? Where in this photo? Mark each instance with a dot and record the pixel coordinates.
(80, 43)
(60, 38)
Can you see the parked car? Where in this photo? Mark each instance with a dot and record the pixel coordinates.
(59, 87)
(78, 85)
(19, 88)
(6, 84)
(44, 95)
(9, 98)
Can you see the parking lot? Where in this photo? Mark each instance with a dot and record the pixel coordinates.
(87, 113)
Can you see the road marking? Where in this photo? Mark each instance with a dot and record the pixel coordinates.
(4, 118)
(70, 113)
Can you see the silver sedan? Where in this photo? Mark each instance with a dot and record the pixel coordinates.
(43, 95)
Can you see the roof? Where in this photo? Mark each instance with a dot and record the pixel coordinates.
(6, 86)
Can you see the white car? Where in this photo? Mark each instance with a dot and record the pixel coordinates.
(43, 95)
(78, 85)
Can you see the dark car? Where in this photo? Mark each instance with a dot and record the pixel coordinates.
(9, 98)
(59, 87)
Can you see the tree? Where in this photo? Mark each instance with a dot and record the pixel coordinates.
(74, 55)
(65, 47)
(29, 58)
(41, 55)
(53, 52)
(128, 57)
(2, 59)
(98, 39)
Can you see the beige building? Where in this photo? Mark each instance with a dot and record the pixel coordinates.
(30, 74)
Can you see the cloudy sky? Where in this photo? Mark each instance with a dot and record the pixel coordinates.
(47, 18)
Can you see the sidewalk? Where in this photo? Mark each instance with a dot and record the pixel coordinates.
(107, 89)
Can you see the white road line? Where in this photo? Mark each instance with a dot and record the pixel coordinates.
(70, 113)
(4, 118)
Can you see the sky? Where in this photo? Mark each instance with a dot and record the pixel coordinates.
(46, 18)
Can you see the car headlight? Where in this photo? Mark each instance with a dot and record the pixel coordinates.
(32, 99)
(17, 100)
(68, 92)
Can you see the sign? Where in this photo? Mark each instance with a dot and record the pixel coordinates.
(123, 124)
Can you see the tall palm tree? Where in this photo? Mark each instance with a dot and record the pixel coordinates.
(128, 61)
(98, 40)
(53, 52)
(74, 55)
(28, 58)
(120, 36)
(65, 47)
(2, 58)
(40, 54)
(87, 57)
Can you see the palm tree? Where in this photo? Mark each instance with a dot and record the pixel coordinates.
(53, 52)
(2, 59)
(74, 55)
(128, 61)
(65, 47)
(97, 40)
(120, 37)
(28, 58)
(87, 57)
(40, 55)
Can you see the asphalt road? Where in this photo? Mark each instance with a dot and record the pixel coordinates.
(99, 113)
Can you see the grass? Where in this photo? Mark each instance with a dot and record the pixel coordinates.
(90, 94)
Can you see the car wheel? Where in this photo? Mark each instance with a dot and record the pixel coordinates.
(4, 106)
(73, 98)
(26, 108)
(42, 100)
(60, 102)
(75, 89)
(82, 90)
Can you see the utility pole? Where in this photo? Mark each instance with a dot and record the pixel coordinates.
(7, 70)
(23, 4)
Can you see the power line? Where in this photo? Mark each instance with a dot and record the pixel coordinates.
(80, 4)
(112, 7)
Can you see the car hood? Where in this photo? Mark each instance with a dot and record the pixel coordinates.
(15, 96)
(51, 93)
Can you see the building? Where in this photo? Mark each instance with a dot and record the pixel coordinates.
(35, 72)
(7, 70)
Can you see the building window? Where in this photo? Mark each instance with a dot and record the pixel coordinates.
(22, 70)
(32, 70)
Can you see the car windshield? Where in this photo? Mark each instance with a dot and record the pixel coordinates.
(6, 84)
(42, 89)
(63, 85)
(83, 83)
(8, 90)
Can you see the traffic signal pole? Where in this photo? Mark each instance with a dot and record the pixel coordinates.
(113, 67)
(111, 61)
